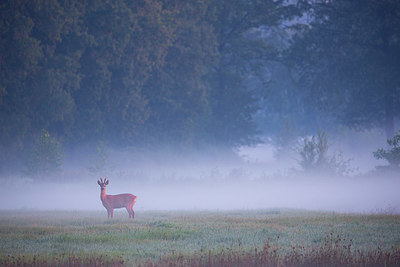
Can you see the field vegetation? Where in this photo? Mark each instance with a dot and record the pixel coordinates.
(198, 238)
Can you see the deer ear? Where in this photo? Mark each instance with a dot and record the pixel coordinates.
(98, 182)
(106, 183)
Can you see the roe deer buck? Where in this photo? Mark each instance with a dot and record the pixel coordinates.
(111, 202)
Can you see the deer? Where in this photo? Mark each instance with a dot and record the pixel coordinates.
(111, 202)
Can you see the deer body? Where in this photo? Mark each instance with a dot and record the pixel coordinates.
(111, 202)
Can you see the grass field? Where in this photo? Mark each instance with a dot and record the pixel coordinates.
(203, 238)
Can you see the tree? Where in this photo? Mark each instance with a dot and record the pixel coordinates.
(177, 92)
(100, 164)
(347, 61)
(233, 104)
(20, 56)
(391, 155)
(130, 72)
(36, 76)
(46, 156)
(314, 157)
(128, 42)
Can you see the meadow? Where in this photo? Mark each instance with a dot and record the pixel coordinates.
(275, 237)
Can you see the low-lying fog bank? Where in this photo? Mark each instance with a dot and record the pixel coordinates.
(248, 178)
(368, 195)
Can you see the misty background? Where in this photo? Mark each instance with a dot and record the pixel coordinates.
(223, 104)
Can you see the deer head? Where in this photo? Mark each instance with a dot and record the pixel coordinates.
(102, 183)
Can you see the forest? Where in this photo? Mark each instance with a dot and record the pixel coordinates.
(189, 74)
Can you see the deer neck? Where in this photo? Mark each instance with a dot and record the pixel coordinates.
(103, 194)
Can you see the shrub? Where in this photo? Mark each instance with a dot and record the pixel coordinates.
(101, 164)
(314, 157)
(46, 155)
(391, 155)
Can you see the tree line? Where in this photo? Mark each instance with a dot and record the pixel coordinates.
(149, 72)
(127, 72)
(347, 61)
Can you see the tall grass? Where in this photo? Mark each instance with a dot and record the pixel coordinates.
(206, 238)
(62, 260)
(334, 252)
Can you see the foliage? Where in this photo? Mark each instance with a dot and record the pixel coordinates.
(391, 155)
(131, 73)
(178, 95)
(313, 153)
(314, 157)
(285, 142)
(346, 57)
(100, 164)
(46, 155)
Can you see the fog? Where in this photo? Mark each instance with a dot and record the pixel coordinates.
(248, 178)
(366, 196)
(332, 195)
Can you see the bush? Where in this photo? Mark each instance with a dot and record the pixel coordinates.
(101, 164)
(46, 155)
(314, 157)
(391, 155)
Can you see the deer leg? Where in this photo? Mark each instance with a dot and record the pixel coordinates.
(112, 213)
(109, 214)
(128, 210)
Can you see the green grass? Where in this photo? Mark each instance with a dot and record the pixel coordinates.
(86, 237)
